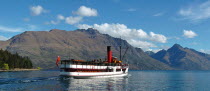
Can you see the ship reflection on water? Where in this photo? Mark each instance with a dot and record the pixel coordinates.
(136, 81)
(110, 84)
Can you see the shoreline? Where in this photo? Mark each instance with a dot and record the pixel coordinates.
(18, 70)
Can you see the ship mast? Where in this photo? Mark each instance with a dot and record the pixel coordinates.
(120, 48)
(69, 51)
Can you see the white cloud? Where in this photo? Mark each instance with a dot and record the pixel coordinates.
(136, 37)
(157, 37)
(37, 10)
(54, 22)
(158, 14)
(60, 17)
(205, 51)
(118, 30)
(86, 11)
(26, 19)
(141, 44)
(9, 29)
(80, 14)
(189, 34)
(154, 50)
(3, 38)
(73, 20)
(84, 26)
(196, 12)
(157, 49)
(27, 27)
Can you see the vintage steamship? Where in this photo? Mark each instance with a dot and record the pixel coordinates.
(93, 69)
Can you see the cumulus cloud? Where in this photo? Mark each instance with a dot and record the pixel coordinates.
(141, 44)
(122, 30)
(136, 37)
(154, 50)
(60, 17)
(189, 34)
(57, 21)
(196, 12)
(158, 48)
(37, 10)
(205, 51)
(86, 11)
(73, 20)
(84, 26)
(157, 37)
(2, 38)
(82, 12)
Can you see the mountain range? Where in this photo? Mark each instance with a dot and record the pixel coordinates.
(43, 47)
(183, 58)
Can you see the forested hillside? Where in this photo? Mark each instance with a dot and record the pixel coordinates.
(13, 60)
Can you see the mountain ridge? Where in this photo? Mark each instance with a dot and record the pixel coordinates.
(86, 44)
(182, 58)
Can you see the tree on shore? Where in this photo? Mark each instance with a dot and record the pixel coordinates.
(5, 66)
(13, 60)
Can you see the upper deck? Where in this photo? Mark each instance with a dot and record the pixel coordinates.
(96, 63)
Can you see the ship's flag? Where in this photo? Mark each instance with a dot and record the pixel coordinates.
(58, 60)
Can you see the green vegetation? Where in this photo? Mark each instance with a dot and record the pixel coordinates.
(39, 68)
(5, 66)
(11, 61)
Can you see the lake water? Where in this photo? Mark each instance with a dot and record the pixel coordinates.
(136, 81)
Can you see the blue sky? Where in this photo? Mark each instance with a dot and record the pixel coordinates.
(148, 24)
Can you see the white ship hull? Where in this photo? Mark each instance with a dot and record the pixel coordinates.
(113, 73)
(84, 75)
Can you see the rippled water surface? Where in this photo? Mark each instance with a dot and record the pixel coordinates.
(136, 81)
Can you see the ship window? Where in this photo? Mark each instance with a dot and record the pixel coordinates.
(75, 62)
(67, 62)
(82, 63)
(110, 70)
(79, 63)
(118, 70)
(66, 70)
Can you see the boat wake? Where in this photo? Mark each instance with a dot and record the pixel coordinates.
(25, 80)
